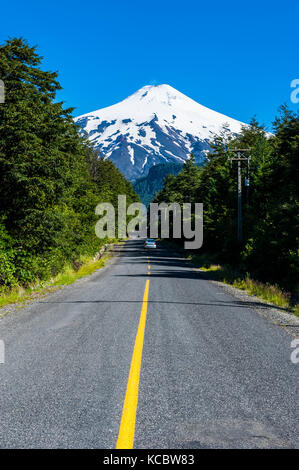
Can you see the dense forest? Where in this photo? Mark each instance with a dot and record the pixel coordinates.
(152, 183)
(269, 251)
(50, 178)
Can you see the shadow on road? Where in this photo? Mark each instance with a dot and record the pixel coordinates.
(220, 303)
(171, 264)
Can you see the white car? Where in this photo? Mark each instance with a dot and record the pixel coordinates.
(150, 243)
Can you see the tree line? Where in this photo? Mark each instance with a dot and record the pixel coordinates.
(269, 251)
(51, 179)
(147, 186)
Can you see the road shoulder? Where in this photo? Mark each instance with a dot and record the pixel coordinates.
(109, 259)
(269, 311)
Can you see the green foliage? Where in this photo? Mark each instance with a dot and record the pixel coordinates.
(50, 178)
(152, 183)
(7, 267)
(183, 187)
(270, 218)
(241, 280)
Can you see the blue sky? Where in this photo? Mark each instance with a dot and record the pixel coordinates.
(235, 57)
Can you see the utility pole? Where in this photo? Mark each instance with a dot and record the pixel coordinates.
(239, 158)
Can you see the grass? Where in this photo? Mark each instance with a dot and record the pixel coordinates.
(67, 276)
(270, 293)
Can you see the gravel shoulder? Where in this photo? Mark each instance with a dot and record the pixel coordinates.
(271, 312)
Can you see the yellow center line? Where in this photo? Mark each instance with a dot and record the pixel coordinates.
(127, 425)
(148, 266)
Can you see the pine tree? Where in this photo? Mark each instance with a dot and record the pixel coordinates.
(50, 178)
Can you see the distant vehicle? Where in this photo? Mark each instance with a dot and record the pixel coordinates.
(150, 243)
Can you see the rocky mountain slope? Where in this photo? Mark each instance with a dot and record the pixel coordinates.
(157, 124)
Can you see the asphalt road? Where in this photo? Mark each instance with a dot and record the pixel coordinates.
(214, 372)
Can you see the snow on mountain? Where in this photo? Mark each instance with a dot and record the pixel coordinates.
(157, 124)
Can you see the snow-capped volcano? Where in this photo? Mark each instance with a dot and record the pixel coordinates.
(157, 124)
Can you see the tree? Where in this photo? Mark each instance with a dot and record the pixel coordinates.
(50, 178)
(270, 250)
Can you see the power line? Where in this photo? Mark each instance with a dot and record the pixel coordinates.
(241, 157)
